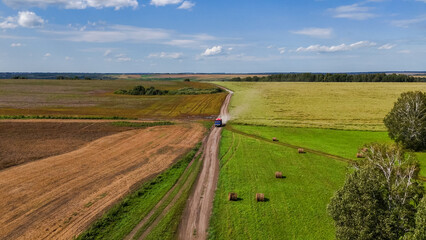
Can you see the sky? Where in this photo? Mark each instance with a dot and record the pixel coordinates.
(220, 36)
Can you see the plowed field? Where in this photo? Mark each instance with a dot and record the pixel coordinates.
(25, 141)
(58, 197)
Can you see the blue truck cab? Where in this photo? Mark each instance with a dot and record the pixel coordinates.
(218, 122)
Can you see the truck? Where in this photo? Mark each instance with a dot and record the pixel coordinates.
(218, 122)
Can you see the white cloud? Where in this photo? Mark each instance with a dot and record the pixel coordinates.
(282, 50)
(336, 48)
(8, 23)
(47, 55)
(212, 51)
(68, 58)
(166, 55)
(405, 23)
(16, 45)
(354, 11)
(124, 33)
(186, 5)
(107, 52)
(115, 33)
(24, 19)
(405, 51)
(72, 4)
(315, 32)
(122, 58)
(29, 19)
(164, 2)
(387, 46)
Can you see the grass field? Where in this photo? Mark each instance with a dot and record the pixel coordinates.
(332, 118)
(360, 106)
(295, 206)
(344, 143)
(96, 98)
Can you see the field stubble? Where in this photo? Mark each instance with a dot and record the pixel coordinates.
(356, 106)
(96, 98)
(58, 197)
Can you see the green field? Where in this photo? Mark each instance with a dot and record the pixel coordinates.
(329, 119)
(96, 98)
(344, 143)
(360, 106)
(296, 205)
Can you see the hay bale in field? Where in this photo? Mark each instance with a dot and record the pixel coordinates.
(301, 150)
(260, 197)
(278, 175)
(232, 196)
(274, 139)
(360, 155)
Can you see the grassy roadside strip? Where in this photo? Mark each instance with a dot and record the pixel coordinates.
(63, 117)
(167, 223)
(125, 215)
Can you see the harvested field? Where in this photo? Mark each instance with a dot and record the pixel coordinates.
(203, 77)
(58, 197)
(352, 106)
(25, 141)
(96, 98)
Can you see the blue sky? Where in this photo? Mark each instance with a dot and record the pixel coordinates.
(212, 36)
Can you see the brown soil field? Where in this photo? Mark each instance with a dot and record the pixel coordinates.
(58, 197)
(25, 141)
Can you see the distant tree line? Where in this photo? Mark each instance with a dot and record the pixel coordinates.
(19, 77)
(330, 77)
(151, 91)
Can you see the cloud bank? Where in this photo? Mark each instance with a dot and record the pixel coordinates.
(72, 4)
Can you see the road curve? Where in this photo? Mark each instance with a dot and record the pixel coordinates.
(196, 216)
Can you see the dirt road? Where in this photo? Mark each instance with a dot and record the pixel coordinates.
(58, 197)
(196, 216)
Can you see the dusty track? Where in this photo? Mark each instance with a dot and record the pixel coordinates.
(58, 197)
(196, 216)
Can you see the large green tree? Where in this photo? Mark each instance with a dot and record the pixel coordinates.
(379, 199)
(420, 230)
(406, 122)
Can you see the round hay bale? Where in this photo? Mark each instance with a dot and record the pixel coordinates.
(232, 196)
(301, 150)
(360, 155)
(278, 175)
(260, 197)
(274, 139)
